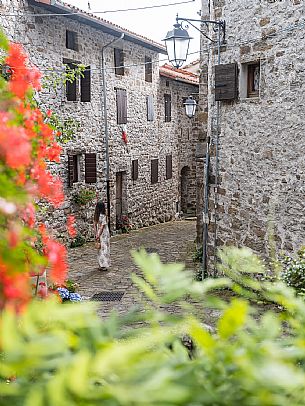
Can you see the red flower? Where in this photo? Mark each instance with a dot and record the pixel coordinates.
(124, 137)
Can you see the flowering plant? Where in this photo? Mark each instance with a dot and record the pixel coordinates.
(27, 143)
(123, 223)
(293, 273)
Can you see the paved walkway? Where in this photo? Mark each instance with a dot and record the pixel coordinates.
(174, 241)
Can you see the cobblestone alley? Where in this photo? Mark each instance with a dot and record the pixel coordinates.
(173, 241)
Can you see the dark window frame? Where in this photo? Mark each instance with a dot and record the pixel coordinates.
(121, 105)
(169, 166)
(135, 169)
(154, 171)
(85, 85)
(72, 40)
(119, 61)
(148, 69)
(251, 91)
(90, 167)
(73, 169)
(167, 108)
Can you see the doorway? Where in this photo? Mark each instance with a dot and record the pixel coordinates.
(120, 196)
(184, 189)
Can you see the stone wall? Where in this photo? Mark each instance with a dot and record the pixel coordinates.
(262, 146)
(144, 203)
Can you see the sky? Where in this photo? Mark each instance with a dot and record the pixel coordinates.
(151, 23)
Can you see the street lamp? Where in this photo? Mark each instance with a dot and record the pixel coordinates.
(177, 43)
(190, 107)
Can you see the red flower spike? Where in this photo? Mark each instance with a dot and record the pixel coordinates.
(71, 226)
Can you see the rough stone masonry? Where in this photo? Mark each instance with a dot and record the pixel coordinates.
(145, 203)
(261, 186)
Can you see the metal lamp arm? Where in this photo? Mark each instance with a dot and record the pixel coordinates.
(221, 24)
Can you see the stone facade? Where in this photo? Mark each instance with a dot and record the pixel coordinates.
(261, 142)
(44, 39)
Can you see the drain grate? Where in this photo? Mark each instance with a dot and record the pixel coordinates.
(108, 296)
(151, 250)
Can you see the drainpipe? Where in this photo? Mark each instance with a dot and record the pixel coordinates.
(106, 124)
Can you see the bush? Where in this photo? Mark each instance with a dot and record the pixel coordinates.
(71, 357)
(78, 241)
(84, 196)
(123, 223)
(293, 273)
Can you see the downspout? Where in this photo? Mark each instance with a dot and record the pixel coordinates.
(106, 124)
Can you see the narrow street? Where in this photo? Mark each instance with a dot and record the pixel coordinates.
(173, 241)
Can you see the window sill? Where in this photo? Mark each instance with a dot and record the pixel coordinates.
(255, 99)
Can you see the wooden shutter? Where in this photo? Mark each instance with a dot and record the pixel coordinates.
(135, 169)
(150, 108)
(121, 100)
(90, 168)
(169, 171)
(119, 61)
(70, 170)
(167, 107)
(85, 85)
(154, 171)
(71, 87)
(148, 69)
(226, 82)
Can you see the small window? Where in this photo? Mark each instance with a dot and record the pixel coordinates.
(167, 83)
(121, 103)
(71, 40)
(148, 69)
(85, 85)
(253, 80)
(90, 168)
(167, 107)
(73, 169)
(119, 61)
(154, 171)
(135, 169)
(71, 87)
(150, 108)
(169, 170)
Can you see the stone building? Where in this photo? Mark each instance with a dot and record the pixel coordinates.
(148, 134)
(260, 87)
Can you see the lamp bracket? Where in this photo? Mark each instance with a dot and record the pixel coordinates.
(218, 25)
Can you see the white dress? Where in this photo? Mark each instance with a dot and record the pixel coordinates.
(103, 255)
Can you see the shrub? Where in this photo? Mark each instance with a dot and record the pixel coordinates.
(123, 223)
(72, 357)
(84, 196)
(293, 273)
(78, 241)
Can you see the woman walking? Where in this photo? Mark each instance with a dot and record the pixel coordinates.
(102, 236)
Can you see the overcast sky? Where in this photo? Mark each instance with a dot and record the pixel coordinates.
(151, 23)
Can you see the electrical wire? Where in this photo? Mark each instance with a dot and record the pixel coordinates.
(94, 12)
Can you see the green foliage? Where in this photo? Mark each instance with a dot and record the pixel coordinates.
(84, 196)
(197, 254)
(67, 127)
(293, 273)
(78, 241)
(67, 356)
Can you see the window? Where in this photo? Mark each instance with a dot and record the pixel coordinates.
(148, 69)
(169, 171)
(154, 171)
(121, 104)
(80, 85)
(135, 169)
(73, 169)
(85, 85)
(253, 80)
(167, 83)
(71, 40)
(71, 87)
(249, 80)
(167, 107)
(119, 61)
(90, 168)
(150, 108)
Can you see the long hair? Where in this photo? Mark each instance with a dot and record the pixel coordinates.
(100, 208)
